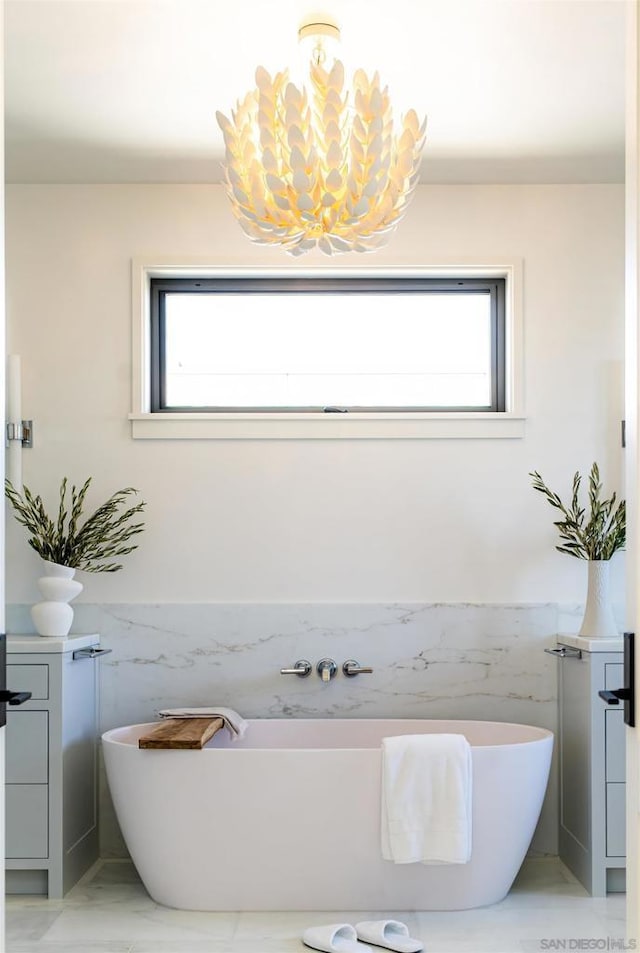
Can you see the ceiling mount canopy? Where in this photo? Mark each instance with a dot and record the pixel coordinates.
(320, 166)
(317, 31)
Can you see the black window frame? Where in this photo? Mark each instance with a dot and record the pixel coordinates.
(161, 286)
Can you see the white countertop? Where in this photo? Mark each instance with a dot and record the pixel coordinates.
(33, 644)
(591, 645)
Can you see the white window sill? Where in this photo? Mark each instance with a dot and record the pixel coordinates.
(297, 426)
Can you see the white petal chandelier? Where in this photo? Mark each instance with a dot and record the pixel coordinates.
(320, 168)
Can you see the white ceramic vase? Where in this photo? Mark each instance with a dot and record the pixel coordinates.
(53, 617)
(599, 621)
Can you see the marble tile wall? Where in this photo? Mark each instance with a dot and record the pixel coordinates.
(430, 661)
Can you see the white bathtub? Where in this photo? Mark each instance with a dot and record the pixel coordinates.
(289, 817)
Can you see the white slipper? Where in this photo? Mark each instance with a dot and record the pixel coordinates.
(390, 934)
(334, 938)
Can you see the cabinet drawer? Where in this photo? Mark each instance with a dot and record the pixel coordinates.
(27, 756)
(616, 820)
(26, 820)
(614, 745)
(29, 678)
(613, 675)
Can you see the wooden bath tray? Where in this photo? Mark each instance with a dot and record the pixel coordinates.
(181, 733)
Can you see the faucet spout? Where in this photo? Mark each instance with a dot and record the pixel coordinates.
(326, 669)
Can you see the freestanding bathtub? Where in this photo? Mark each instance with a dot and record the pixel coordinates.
(288, 818)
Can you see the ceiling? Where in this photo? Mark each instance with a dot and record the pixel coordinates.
(127, 90)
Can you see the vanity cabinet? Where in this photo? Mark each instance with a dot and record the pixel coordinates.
(592, 763)
(51, 768)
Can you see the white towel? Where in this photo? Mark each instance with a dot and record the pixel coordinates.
(233, 722)
(426, 799)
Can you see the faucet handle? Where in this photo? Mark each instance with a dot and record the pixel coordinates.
(351, 668)
(301, 668)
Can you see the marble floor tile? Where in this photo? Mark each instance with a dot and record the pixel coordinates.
(494, 935)
(194, 946)
(135, 925)
(110, 912)
(29, 922)
(66, 947)
(112, 872)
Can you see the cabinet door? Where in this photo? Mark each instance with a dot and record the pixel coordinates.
(27, 807)
(615, 767)
(616, 820)
(79, 792)
(27, 747)
(575, 766)
(615, 745)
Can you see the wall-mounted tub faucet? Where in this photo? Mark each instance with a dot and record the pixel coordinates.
(301, 668)
(326, 669)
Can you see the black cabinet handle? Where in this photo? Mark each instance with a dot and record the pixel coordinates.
(14, 698)
(615, 696)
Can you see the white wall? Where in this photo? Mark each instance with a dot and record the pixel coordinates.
(298, 521)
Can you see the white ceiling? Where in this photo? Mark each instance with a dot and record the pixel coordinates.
(127, 90)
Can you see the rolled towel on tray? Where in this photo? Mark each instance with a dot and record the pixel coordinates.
(233, 722)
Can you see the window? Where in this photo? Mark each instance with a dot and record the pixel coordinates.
(327, 345)
(407, 353)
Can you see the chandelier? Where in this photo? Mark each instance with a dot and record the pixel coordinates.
(320, 167)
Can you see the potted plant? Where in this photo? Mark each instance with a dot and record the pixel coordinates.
(594, 536)
(66, 544)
